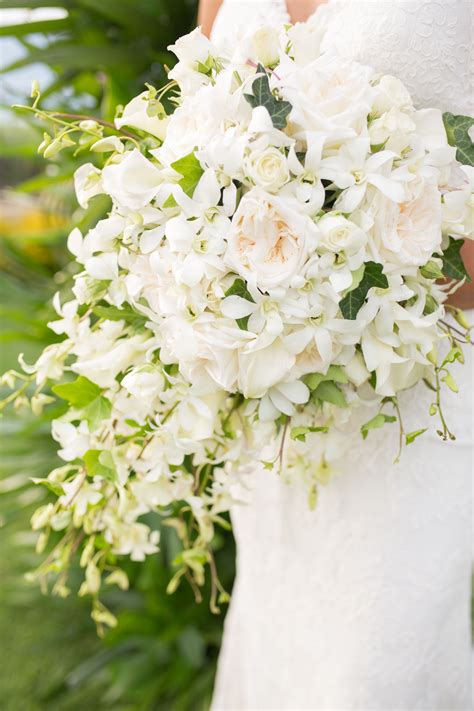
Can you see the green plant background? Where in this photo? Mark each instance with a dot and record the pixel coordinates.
(164, 651)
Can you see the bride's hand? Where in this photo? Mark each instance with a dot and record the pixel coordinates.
(464, 297)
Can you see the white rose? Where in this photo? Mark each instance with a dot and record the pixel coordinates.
(144, 383)
(392, 130)
(267, 168)
(265, 45)
(262, 368)
(391, 93)
(267, 243)
(305, 38)
(410, 231)
(196, 122)
(135, 115)
(341, 235)
(330, 94)
(195, 418)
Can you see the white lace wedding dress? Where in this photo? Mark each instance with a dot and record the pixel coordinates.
(364, 602)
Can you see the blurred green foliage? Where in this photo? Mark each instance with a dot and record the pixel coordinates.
(103, 51)
(162, 655)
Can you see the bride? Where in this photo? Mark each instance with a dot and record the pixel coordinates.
(364, 602)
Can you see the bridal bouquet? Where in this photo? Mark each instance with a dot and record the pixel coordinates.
(268, 273)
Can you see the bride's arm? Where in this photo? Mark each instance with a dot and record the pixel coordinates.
(464, 297)
(300, 10)
(207, 14)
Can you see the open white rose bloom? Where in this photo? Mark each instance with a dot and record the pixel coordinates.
(273, 270)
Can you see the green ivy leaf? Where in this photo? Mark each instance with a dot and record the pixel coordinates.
(357, 276)
(191, 170)
(457, 130)
(353, 301)
(335, 373)
(80, 393)
(100, 463)
(262, 96)
(86, 396)
(328, 391)
(239, 288)
(411, 436)
(170, 202)
(375, 423)
(99, 410)
(453, 265)
(299, 433)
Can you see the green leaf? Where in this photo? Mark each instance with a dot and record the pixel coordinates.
(262, 96)
(86, 396)
(123, 13)
(80, 393)
(353, 301)
(375, 423)
(335, 373)
(43, 27)
(71, 55)
(431, 270)
(100, 463)
(299, 433)
(457, 130)
(411, 436)
(170, 202)
(239, 288)
(453, 265)
(98, 411)
(191, 170)
(328, 391)
(125, 313)
(357, 276)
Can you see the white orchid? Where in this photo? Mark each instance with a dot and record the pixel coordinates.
(353, 170)
(138, 113)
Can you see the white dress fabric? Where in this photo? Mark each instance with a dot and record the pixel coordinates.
(364, 602)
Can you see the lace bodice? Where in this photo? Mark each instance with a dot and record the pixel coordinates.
(426, 43)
